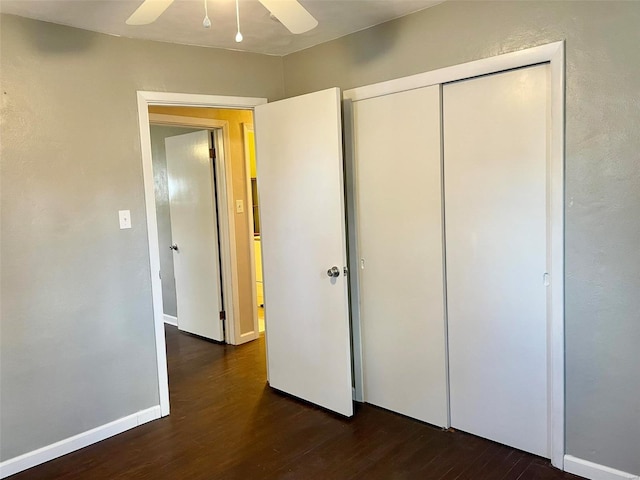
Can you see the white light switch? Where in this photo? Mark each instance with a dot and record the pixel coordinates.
(125, 219)
(239, 206)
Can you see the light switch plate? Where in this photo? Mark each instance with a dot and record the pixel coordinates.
(125, 219)
(239, 206)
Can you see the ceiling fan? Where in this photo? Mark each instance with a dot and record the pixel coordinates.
(289, 12)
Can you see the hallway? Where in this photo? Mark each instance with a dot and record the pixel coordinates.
(226, 423)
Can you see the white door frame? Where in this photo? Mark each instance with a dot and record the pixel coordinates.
(554, 54)
(248, 127)
(145, 100)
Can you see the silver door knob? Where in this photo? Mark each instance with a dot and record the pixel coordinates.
(174, 247)
(333, 272)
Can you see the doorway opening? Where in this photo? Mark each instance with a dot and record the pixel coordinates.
(196, 103)
(233, 217)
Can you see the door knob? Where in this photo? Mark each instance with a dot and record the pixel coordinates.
(333, 272)
(174, 247)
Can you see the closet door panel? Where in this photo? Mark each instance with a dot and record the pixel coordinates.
(399, 215)
(495, 177)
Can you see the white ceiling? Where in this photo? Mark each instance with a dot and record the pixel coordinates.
(182, 21)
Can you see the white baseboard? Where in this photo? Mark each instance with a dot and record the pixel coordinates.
(171, 320)
(71, 444)
(247, 337)
(594, 471)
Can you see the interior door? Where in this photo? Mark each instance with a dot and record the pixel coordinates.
(495, 172)
(299, 155)
(194, 230)
(399, 198)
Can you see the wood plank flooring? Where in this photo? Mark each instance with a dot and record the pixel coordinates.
(226, 423)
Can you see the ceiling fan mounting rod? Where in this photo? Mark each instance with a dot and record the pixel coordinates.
(238, 35)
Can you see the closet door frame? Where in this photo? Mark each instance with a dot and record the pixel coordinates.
(554, 55)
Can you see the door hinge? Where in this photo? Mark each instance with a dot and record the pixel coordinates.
(223, 315)
(212, 153)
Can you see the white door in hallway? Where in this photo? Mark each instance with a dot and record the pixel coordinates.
(302, 213)
(496, 207)
(194, 230)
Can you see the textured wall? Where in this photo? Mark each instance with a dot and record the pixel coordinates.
(602, 176)
(77, 330)
(163, 213)
(77, 346)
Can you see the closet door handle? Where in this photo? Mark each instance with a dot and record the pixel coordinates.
(174, 247)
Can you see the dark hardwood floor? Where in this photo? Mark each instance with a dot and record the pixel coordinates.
(226, 423)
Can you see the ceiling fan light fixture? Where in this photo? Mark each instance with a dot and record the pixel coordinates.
(206, 23)
(289, 13)
(238, 35)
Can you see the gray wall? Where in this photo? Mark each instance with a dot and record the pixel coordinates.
(76, 335)
(602, 176)
(77, 347)
(163, 214)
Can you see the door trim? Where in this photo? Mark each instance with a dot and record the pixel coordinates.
(554, 54)
(145, 99)
(248, 127)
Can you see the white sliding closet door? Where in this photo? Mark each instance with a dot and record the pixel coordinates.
(495, 176)
(399, 209)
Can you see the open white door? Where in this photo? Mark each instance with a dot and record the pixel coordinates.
(194, 230)
(299, 156)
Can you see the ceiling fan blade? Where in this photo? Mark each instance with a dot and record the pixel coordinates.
(291, 14)
(148, 12)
